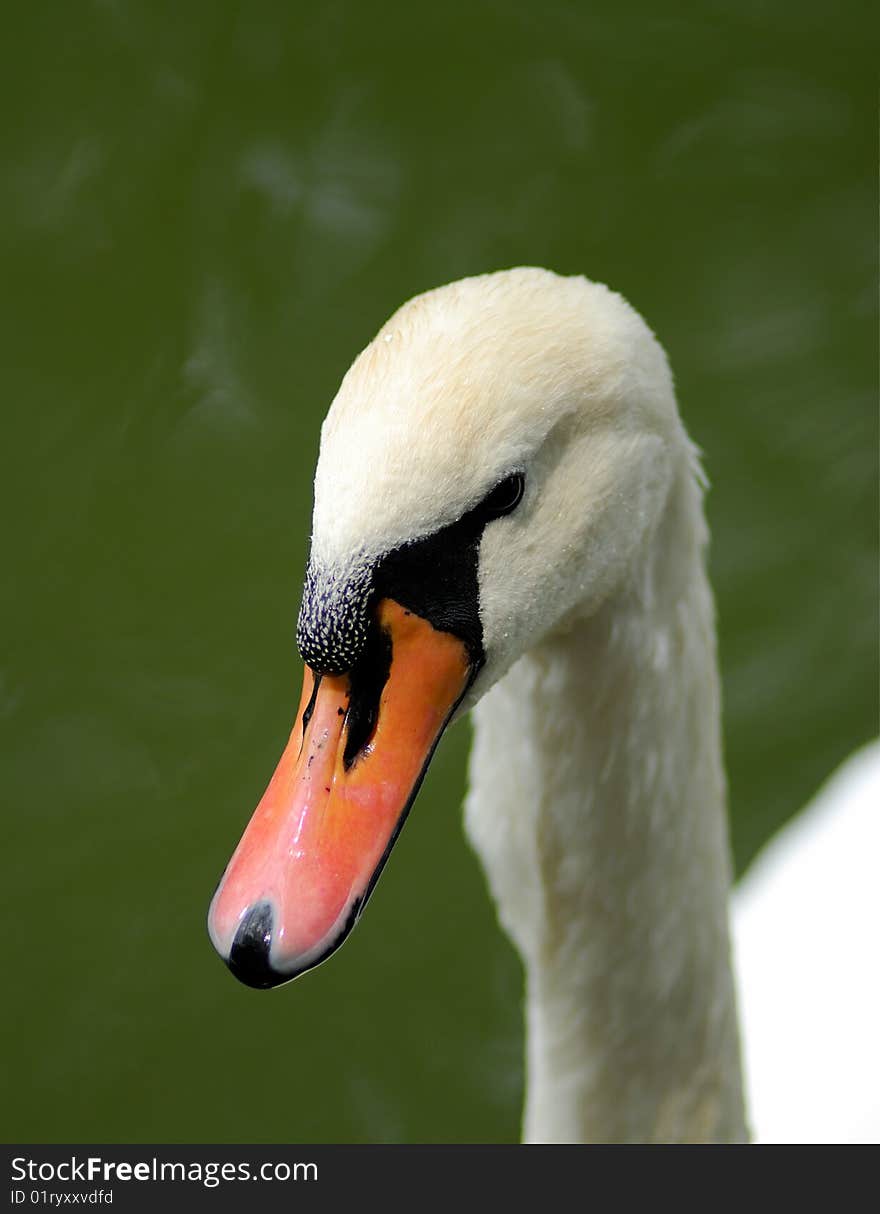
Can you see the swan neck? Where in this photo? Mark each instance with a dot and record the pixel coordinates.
(597, 805)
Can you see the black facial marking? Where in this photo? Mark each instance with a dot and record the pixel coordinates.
(310, 707)
(368, 677)
(436, 577)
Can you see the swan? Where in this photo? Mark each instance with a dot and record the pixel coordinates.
(508, 520)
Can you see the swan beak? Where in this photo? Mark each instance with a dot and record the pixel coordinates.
(319, 838)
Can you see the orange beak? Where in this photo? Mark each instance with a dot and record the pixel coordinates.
(319, 838)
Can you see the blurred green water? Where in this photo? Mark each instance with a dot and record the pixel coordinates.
(207, 209)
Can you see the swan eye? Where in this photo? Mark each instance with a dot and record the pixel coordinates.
(506, 496)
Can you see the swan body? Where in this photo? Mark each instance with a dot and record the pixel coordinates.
(804, 930)
(508, 517)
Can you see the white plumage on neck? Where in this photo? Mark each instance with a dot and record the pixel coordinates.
(597, 806)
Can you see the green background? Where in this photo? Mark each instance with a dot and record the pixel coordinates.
(207, 209)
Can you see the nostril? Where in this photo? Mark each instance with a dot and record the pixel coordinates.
(367, 682)
(249, 955)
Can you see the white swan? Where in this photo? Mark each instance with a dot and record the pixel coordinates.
(508, 516)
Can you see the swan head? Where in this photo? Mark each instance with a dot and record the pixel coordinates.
(493, 463)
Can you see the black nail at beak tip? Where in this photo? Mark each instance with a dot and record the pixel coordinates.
(249, 956)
